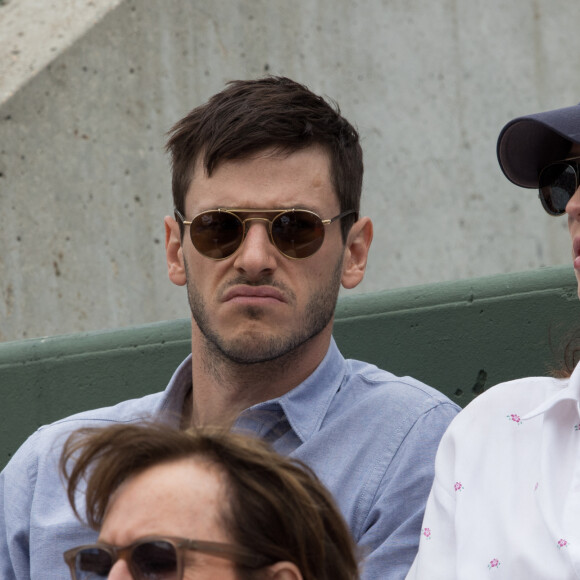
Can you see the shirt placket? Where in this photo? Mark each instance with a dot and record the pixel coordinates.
(571, 542)
(559, 482)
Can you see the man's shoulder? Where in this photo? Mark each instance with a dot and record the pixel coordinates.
(48, 439)
(125, 411)
(371, 382)
(379, 402)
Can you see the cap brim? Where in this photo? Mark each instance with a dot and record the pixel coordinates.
(527, 144)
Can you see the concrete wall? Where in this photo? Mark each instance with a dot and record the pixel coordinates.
(84, 181)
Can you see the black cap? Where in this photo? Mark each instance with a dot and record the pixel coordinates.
(527, 144)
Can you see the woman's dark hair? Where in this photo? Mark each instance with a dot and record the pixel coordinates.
(273, 112)
(277, 507)
(570, 356)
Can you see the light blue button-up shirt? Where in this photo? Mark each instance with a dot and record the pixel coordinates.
(370, 436)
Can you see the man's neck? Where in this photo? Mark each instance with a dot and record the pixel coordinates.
(223, 388)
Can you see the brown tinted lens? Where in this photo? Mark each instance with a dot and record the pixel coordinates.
(298, 233)
(216, 234)
(557, 185)
(93, 563)
(155, 561)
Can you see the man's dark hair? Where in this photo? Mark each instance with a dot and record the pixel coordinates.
(273, 112)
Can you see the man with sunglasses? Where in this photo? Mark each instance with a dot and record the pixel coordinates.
(267, 180)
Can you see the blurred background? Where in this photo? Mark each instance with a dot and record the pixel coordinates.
(88, 90)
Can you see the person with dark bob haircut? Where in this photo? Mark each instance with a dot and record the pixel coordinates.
(265, 231)
(201, 503)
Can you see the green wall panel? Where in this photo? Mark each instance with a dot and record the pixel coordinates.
(460, 337)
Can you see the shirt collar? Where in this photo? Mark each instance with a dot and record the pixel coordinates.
(569, 392)
(306, 405)
(171, 404)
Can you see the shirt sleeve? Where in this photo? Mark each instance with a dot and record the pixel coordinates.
(16, 490)
(393, 526)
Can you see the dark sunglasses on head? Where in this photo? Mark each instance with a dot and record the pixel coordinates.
(150, 558)
(296, 233)
(558, 183)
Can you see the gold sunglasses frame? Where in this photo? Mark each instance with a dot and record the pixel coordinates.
(276, 214)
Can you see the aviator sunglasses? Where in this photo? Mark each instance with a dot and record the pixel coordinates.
(558, 182)
(150, 558)
(296, 233)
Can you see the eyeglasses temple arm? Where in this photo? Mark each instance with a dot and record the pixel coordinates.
(235, 553)
(340, 216)
(180, 217)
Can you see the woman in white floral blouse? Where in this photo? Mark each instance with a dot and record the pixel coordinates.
(506, 497)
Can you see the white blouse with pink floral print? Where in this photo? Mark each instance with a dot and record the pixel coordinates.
(505, 502)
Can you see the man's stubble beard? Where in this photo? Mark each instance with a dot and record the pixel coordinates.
(256, 349)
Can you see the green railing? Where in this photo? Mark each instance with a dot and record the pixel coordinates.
(460, 337)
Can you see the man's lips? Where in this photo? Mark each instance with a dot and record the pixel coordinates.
(260, 294)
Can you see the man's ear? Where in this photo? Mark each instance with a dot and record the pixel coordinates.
(283, 571)
(174, 252)
(356, 252)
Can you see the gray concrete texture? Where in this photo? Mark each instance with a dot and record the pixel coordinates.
(85, 182)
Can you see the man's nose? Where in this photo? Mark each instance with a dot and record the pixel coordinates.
(120, 571)
(257, 254)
